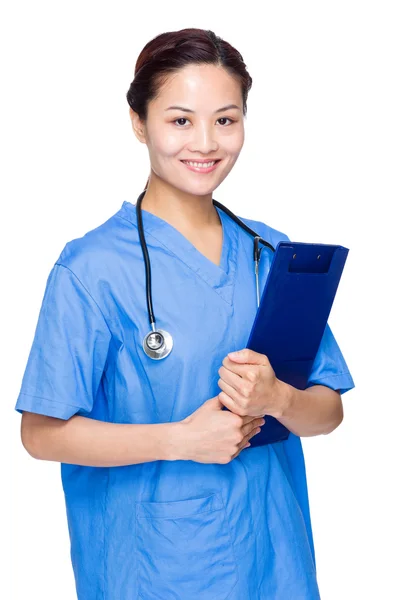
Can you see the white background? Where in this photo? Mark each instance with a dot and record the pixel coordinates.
(320, 162)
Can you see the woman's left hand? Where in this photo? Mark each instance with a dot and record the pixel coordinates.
(249, 385)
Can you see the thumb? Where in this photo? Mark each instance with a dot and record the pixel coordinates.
(215, 403)
(246, 355)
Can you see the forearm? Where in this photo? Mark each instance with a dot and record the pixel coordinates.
(89, 442)
(310, 412)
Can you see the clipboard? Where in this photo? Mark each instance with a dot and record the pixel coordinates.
(290, 321)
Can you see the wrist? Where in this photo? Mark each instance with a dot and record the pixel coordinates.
(285, 398)
(173, 443)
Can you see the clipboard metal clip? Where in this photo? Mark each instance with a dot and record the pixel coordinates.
(257, 255)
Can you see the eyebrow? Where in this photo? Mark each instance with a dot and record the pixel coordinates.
(192, 111)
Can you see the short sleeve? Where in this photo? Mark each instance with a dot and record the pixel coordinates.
(69, 350)
(329, 367)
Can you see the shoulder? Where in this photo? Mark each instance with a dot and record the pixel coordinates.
(268, 233)
(96, 247)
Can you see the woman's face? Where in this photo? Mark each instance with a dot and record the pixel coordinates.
(203, 131)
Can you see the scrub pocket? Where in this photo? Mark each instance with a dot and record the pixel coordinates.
(184, 550)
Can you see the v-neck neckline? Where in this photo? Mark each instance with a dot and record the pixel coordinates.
(220, 277)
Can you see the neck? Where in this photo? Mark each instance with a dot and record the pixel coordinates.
(179, 208)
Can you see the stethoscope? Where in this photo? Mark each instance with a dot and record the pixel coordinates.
(157, 344)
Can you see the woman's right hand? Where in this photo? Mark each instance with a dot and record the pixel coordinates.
(213, 435)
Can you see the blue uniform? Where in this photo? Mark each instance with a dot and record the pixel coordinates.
(169, 530)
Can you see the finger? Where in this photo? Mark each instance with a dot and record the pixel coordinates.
(242, 446)
(233, 406)
(252, 433)
(229, 390)
(235, 367)
(245, 440)
(249, 418)
(247, 356)
(252, 425)
(248, 437)
(230, 378)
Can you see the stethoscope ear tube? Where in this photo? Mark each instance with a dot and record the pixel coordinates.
(146, 260)
(158, 343)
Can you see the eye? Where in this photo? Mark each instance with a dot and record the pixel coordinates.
(220, 119)
(226, 119)
(181, 119)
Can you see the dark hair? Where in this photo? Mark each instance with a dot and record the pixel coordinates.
(168, 52)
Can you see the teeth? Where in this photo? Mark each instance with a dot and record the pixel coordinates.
(200, 165)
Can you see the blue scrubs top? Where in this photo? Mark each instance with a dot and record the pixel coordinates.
(169, 530)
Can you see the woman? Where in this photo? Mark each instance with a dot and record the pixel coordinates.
(162, 501)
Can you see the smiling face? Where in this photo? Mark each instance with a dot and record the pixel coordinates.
(202, 131)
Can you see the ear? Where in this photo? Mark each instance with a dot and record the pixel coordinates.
(138, 126)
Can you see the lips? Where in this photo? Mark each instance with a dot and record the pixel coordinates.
(202, 170)
(201, 161)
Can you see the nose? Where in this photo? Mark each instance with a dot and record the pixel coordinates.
(203, 139)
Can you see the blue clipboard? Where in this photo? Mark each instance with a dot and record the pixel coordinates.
(290, 321)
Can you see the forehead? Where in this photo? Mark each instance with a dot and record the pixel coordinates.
(199, 87)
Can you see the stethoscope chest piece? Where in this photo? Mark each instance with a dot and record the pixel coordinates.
(157, 344)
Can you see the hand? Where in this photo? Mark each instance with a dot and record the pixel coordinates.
(249, 385)
(213, 435)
